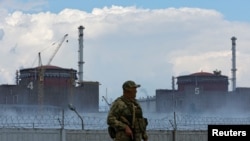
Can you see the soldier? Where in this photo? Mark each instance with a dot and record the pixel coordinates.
(125, 118)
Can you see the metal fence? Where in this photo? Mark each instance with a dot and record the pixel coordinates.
(67, 126)
(97, 121)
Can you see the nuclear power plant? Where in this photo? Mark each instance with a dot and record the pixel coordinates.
(56, 87)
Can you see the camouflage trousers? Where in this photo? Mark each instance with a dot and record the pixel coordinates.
(121, 136)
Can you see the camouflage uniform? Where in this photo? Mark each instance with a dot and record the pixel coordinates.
(121, 115)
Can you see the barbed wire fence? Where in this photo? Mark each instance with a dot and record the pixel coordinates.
(97, 122)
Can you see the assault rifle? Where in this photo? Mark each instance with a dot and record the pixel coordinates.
(124, 120)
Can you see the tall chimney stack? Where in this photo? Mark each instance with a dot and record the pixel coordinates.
(233, 63)
(80, 52)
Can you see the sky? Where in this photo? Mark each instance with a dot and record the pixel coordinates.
(142, 40)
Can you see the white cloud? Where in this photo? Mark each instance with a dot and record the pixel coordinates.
(120, 43)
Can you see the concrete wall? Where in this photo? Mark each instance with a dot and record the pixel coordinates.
(93, 135)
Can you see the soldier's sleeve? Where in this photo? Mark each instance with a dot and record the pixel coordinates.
(114, 115)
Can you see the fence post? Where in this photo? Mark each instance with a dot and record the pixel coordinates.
(62, 130)
(175, 128)
(63, 134)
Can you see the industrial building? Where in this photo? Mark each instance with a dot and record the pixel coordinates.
(48, 85)
(201, 93)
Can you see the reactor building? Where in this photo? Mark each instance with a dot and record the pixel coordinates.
(201, 92)
(48, 85)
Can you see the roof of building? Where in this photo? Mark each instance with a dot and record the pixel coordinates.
(50, 67)
(202, 74)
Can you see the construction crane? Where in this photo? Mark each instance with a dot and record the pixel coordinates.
(41, 71)
(57, 48)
